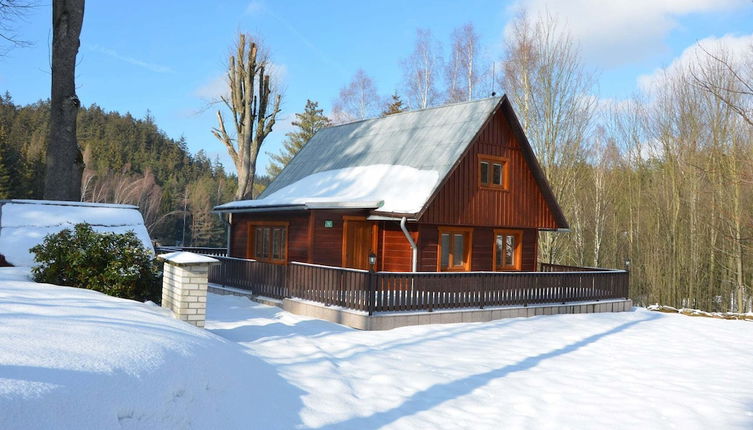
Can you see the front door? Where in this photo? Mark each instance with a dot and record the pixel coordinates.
(358, 243)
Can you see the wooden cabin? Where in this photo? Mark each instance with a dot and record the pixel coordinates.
(451, 188)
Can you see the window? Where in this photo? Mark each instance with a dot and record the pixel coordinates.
(508, 247)
(268, 242)
(454, 249)
(492, 172)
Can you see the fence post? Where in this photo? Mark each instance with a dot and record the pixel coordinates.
(184, 285)
(371, 293)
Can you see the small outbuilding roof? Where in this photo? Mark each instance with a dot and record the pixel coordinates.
(25, 223)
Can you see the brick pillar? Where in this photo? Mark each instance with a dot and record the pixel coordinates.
(184, 285)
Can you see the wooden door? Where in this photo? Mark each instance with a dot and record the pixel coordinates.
(358, 243)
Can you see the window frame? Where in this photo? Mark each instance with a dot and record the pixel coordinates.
(491, 161)
(517, 252)
(271, 225)
(467, 233)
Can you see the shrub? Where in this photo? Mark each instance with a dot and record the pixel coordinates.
(115, 264)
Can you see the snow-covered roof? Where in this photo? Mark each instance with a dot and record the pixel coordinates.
(25, 223)
(396, 162)
(387, 188)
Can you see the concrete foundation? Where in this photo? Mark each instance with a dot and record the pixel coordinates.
(389, 320)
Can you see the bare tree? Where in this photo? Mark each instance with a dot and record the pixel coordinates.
(737, 93)
(65, 163)
(547, 83)
(10, 12)
(359, 100)
(421, 70)
(463, 70)
(252, 115)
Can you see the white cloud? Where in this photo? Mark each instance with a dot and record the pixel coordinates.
(737, 47)
(135, 61)
(254, 7)
(212, 89)
(611, 33)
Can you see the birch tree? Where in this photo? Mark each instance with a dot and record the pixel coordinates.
(356, 101)
(253, 106)
(463, 70)
(547, 83)
(421, 71)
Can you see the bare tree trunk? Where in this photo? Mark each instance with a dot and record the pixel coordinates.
(252, 117)
(65, 164)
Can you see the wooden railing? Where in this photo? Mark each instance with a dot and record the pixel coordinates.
(220, 252)
(549, 267)
(390, 291)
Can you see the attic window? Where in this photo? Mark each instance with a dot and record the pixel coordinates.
(493, 172)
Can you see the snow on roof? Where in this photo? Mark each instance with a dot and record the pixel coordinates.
(390, 188)
(187, 258)
(25, 223)
(428, 141)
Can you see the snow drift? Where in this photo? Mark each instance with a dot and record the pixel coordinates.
(74, 358)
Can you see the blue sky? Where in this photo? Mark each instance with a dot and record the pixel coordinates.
(168, 56)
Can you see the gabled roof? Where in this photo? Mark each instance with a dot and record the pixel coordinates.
(391, 165)
(395, 162)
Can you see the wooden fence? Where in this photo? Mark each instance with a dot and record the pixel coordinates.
(220, 252)
(406, 291)
(549, 267)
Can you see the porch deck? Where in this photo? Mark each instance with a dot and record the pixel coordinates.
(376, 292)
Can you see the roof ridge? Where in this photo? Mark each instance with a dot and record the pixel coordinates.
(446, 105)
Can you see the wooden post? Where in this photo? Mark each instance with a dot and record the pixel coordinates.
(371, 291)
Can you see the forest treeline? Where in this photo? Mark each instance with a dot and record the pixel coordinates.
(128, 160)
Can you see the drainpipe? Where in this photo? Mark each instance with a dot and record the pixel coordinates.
(414, 248)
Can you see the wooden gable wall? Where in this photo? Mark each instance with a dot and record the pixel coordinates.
(460, 201)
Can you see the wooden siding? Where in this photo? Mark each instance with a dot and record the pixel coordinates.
(461, 201)
(394, 250)
(327, 243)
(481, 248)
(298, 246)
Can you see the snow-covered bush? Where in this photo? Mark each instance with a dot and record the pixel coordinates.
(115, 264)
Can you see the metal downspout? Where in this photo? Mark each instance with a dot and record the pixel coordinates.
(414, 248)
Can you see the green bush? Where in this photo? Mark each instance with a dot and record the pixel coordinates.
(115, 264)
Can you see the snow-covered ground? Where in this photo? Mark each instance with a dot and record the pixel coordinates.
(73, 358)
(78, 359)
(618, 370)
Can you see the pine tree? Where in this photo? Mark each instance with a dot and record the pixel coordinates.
(4, 178)
(394, 106)
(309, 122)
